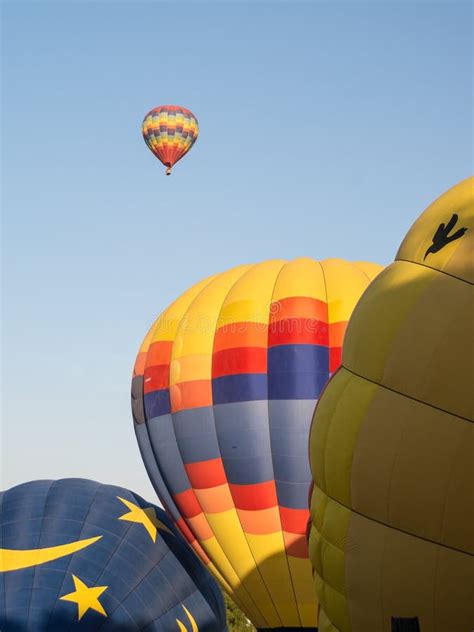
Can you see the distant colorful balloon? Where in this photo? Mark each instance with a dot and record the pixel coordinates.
(79, 555)
(223, 392)
(170, 131)
(392, 441)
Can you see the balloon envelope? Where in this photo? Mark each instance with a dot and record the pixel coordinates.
(79, 555)
(169, 132)
(223, 392)
(392, 441)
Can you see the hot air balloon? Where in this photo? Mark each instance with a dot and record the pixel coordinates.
(170, 131)
(75, 554)
(223, 391)
(392, 441)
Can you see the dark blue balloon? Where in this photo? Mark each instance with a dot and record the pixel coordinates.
(78, 555)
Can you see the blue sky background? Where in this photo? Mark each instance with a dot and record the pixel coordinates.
(325, 129)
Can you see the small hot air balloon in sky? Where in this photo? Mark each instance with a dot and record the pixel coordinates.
(77, 555)
(224, 387)
(170, 131)
(392, 441)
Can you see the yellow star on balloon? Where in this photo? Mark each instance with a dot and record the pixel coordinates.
(86, 598)
(146, 517)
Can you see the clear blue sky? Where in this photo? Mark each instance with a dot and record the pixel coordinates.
(325, 129)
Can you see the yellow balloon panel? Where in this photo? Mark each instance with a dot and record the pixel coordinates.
(392, 441)
(430, 243)
(413, 333)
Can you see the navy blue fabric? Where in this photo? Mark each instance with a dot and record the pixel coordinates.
(244, 387)
(157, 403)
(148, 583)
(297, 371)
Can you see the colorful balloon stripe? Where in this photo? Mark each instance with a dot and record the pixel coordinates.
(228, 377)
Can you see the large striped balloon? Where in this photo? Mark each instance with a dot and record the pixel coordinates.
(223, 392)
(170, 131)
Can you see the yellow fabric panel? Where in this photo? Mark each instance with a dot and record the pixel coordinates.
(220, 578)
(300, 277)
(325, 624)
(371, 270)
(169, 320)
(327, 545)
(399, 337)
(148, 338)
(390, 572)
(195, 335)
(336, 608)
(228, 531)
(319, 501)
(211, 497)
(303, 584)
(188, 368)
(334, 434)
(377, 318)
(455, 258)
(411, 447)
(238, 591)
(250, 298)
(345, 283)
(214, 551)
(265, 547)
(269, 553)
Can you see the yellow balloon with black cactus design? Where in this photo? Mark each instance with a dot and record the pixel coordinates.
(392, 440)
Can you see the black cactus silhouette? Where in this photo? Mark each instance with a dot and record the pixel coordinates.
(442, 237)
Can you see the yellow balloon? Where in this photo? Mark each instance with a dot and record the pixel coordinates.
(392, 440)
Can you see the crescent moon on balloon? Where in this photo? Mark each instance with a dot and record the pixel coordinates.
(14, 560)
(192, 620)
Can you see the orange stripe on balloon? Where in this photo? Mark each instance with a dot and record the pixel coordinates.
(215, 500)
(156, 378)
(200, 527)
(244, 334)
(260, 522)
(296, 545)
(160, 352)
(187, 503)
(299, 307)
(205, 474)
(298, 331)
(192, 394)
(335, 358)
(254, 497)
(336, 333)
(140, 362)
(185, 530)
(239, 360)
(201, 552)
(294, 520)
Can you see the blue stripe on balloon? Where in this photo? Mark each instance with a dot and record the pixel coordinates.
(297, 371)
(165, 446)
(196, 434)
(244, 441)
(239, 388)
(157, 403)
(154, 472)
